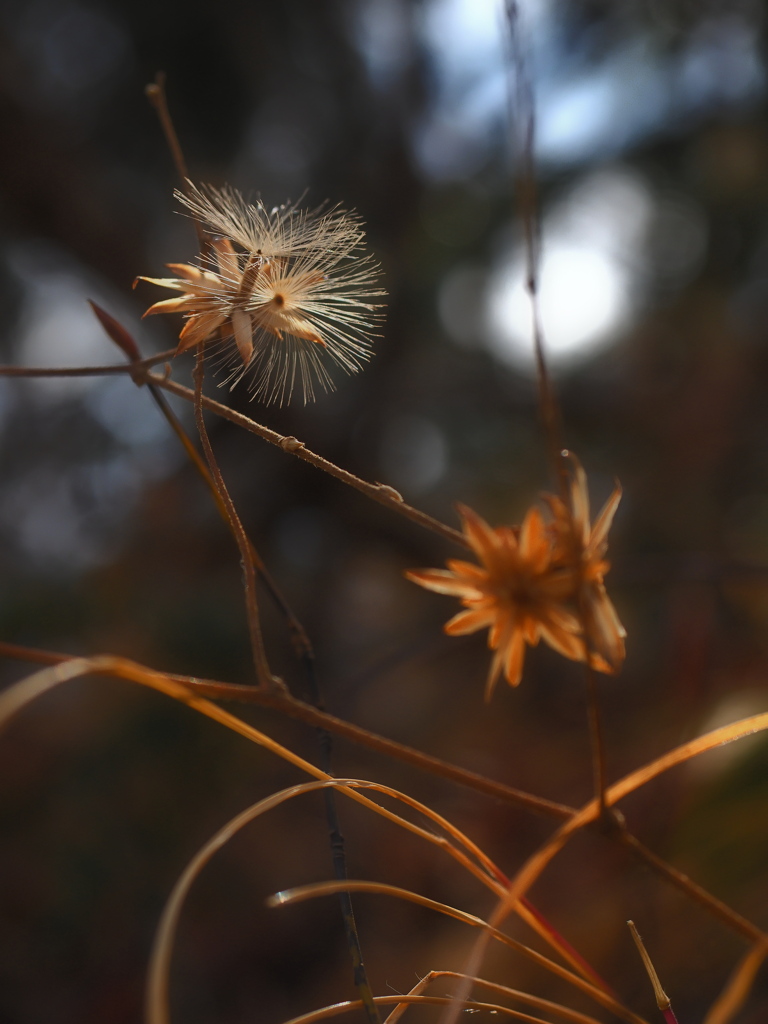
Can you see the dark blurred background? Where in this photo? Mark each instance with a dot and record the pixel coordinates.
(653, 170)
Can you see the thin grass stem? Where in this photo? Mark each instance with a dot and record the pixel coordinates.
(600, 996)
(286, 704)
(346, 1007)
(557, 1009)
(523, 117)
(263, 672)
(339, 859)
(134, 369)
(597, 744)
(381, 493)
(699, 895)
(735, 993)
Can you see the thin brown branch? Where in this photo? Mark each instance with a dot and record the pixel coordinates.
(597, 744)
(127, 344)
(252, 561)
(524, 122)
(299, 638)
(155, 93)
(690, 888)
(381, 493)
(131, 369)
(263, 672)
(284, 703)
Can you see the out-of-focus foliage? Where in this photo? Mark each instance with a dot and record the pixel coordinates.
(653, 166)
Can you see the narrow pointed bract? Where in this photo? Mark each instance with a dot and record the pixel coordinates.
(582, 546)
(541, 580)
(291, 288)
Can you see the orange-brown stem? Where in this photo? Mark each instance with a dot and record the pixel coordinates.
(378, 492)
(263, 672)
(284, 703)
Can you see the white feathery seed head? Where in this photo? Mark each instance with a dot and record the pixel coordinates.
(293, 288)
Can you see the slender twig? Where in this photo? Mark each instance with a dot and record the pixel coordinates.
(662, 999)
(130, 369)
(285, 704)
(381, 493)
(155, 93)
(299, 637)
(127, 344)
(303, 647)
(339, 858)
(524, 119)
(597, 744)
(263, 672)
(690, 888)
(293, 708)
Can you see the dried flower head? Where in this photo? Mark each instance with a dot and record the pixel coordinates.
(537, 581)
(289, 286)
(580, 548)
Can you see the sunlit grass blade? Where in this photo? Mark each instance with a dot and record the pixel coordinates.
(536, 920)
(159, 966)
(556, 1009)
(158, 984)
(20, 694)
(486, 871)
(17, 696)
(24, 692)
(537, 863)
(346, 1007)
(305, 892)
(157, 1002)
(733, 996)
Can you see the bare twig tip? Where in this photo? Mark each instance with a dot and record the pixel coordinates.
(662, 999)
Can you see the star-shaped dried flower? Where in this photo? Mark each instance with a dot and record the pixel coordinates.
(535, 582)
(289, 286)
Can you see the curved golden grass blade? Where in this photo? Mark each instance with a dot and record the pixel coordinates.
(17, 696)
(157, 1011)
(536, 864)
(545, 930)
(310, 715)
(485, 870)
(732, 998)
(536, 1001)
(498, 882)
(305, 892)
(356, 1004)
(156, 1000)
(417, 990)
(22, 693)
